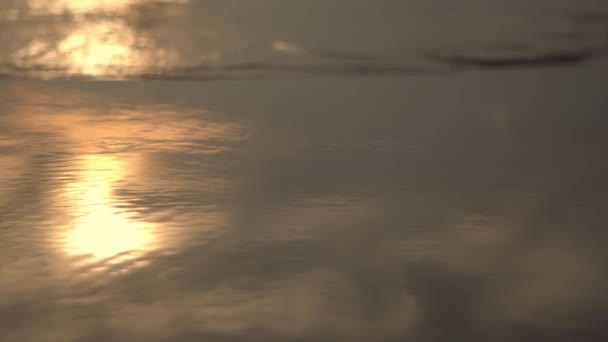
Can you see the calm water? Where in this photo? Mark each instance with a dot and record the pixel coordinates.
(244, 181)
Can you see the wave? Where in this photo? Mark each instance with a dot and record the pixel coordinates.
(334, 64)
(152, 40)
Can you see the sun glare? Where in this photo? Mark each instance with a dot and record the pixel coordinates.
(54, 6)
(84, 6)
(99, 229)
(94, 48)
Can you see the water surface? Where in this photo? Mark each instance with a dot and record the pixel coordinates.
(459, 197)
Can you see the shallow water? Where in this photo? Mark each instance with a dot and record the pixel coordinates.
(453, 203)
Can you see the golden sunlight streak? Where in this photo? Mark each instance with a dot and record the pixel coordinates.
(99, 229)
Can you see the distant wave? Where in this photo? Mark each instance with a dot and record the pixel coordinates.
(338, 65)
(584, 40)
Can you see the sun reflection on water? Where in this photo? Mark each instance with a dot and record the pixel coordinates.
(93, 48)
(54, 6)
(118, 38)
(112, 199)
(93, 45)
(99, 229)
